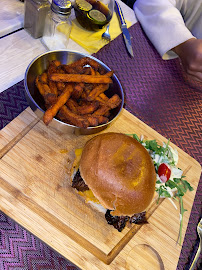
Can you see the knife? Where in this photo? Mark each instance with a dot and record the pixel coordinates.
(124, 29)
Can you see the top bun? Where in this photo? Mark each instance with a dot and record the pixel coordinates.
(120, 173)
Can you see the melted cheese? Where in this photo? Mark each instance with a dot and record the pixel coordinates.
(89, 196)
(78, 153)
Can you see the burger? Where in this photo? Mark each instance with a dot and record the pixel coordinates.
(116, 174)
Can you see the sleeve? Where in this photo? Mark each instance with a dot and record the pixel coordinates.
(162, 23)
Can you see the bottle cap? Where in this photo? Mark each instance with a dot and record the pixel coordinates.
(61, 6)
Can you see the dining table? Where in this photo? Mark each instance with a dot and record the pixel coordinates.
(158, 99)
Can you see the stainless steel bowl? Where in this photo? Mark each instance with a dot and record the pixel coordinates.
(36, 102)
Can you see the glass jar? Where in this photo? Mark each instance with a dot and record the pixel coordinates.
(34, 16)
(57, 25)
(93, 15)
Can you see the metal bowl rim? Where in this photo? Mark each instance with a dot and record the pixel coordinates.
(83, 55)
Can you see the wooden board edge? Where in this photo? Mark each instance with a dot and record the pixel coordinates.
(59, 225)
(134, 229)
(17, 138)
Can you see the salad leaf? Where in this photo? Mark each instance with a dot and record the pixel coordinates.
(136, 137)
(153, 146)
(176, 180)
(180, 191)
(162, 192)
(171, 184)
(176, 187)
(182, 186)
(187, 186)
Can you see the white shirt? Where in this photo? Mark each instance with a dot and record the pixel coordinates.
(168, 23)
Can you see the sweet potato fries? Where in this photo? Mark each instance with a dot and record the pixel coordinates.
(74, 93)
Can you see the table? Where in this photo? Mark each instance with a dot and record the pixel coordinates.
(11, 16)
(15, 72)
(19, 49)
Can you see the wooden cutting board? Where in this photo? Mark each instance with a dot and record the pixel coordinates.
(35, 191)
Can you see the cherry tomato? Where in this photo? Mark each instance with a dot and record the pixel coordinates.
(164, 172)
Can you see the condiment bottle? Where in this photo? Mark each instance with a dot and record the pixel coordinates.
(34, 16)
(57, 25)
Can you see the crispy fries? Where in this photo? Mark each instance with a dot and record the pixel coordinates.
(100, 88)
(42, 87)
(88, 107)
(62, 99)
(49, 99)
(53, 87)
(75, 93)
(78, 90)
(80, 78)
(44, 78)
(79, 64)
(112, 103)
(75, 119)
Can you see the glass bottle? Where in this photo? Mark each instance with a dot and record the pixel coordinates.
(57, 25)
(34, 16)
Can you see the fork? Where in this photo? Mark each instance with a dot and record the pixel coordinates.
(106, 36)
(199, 230)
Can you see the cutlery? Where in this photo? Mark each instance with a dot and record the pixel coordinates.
(199, 230)
(106, 36)
(124, 29)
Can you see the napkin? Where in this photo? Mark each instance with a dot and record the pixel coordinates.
(92, 41)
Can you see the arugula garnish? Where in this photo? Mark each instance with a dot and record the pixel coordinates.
(179, 184)
(182, 186)
(135, 137)
(182, 210)
(162, 192)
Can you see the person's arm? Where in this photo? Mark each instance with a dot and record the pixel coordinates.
(162, 23)
(165, 27)
(190, 53)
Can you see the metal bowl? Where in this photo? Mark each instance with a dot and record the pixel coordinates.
(36, 102)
